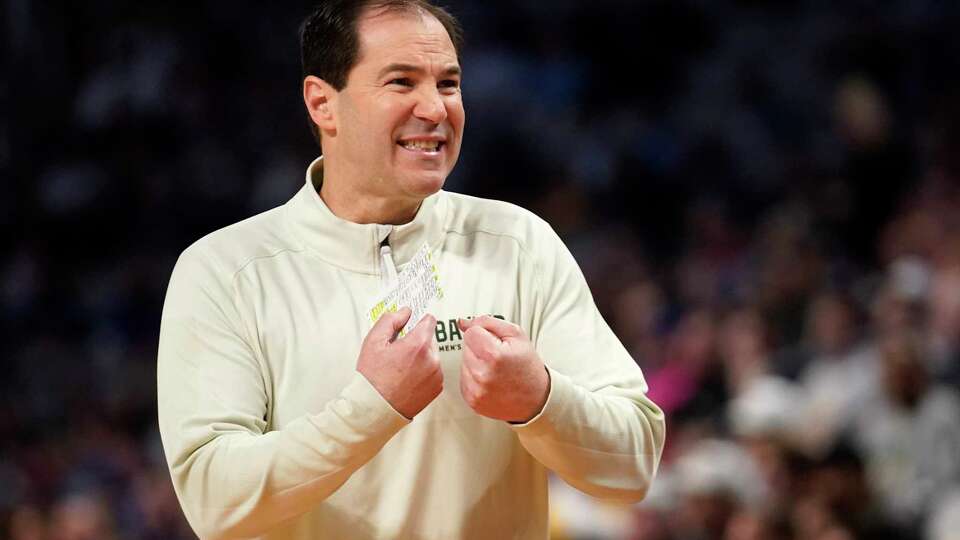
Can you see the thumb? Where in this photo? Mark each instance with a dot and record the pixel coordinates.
(387, 326)
(499, 328)
(423, 331)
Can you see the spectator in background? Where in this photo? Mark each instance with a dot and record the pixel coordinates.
(910, 437)
(744, 349)
(83, 516)
(840, 373)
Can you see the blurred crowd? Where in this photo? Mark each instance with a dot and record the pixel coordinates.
(800, 404)
(764, 197)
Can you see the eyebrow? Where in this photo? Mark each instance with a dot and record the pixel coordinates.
(410, 68)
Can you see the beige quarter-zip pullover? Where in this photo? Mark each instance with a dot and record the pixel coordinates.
(270, 432)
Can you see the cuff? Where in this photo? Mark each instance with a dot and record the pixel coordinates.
(361, 405)
(561, 389)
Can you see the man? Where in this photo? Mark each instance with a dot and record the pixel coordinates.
(285, 415)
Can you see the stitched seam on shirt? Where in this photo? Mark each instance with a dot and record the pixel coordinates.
(306, 247)
(252, 340)
(491, 233)
(520, 244)
(254, 259)
(318, 254)
(264, 364)
(244, 326)
(536, 264)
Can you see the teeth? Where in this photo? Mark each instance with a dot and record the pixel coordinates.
(421, 145)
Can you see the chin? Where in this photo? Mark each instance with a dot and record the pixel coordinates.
(425, 185)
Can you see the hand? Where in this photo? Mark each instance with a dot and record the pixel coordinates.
(501, 375)
(405, 371)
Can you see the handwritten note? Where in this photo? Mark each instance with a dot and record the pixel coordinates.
(417, 284)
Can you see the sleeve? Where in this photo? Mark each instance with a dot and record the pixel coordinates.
(598, 430)
(234, 478)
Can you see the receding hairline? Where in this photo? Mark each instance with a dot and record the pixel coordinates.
(387, 7)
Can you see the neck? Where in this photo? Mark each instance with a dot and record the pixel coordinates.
(359, 201)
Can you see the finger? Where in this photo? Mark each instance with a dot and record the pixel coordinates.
(498, 327)
(423, 333)
(469, 365)
(433, 351)
(481, 342)
(387, 326)
(467, 359)
(465, 387)
(468, 383)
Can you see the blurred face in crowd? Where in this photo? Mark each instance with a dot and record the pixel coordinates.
(830, 324)
(904, 372)
(399, 118)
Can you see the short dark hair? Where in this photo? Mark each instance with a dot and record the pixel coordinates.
(329, 44)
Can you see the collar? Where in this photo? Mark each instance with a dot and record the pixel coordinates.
(356, 246)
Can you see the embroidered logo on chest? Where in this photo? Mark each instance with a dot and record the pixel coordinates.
(449, 337)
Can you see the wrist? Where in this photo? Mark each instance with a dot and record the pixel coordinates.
(543, 393)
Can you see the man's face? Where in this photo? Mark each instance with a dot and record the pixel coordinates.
(400, 115)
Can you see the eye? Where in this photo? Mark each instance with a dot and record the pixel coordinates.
(401, 81)
(449, 84)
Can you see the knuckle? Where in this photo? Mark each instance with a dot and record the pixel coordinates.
(469, 393)
(425, 340)
(484, 378)
(415, 347)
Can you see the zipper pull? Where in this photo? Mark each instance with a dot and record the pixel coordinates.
(388, 270)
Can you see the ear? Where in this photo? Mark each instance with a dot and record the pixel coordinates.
(319, 97)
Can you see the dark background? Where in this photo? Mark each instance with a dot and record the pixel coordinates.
(760, 193)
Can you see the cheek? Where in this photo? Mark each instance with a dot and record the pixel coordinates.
(456, 115)
(392, 114)
(376, 120)
(353, 125)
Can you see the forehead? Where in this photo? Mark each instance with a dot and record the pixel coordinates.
(403, 35)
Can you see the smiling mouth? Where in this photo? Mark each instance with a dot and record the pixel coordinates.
(422, 146)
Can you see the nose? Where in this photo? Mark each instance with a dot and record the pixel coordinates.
(430, 106)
